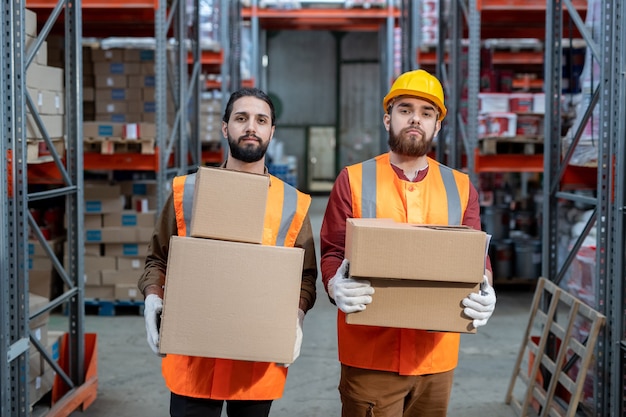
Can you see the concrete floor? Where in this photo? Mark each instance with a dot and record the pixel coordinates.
(130, 382)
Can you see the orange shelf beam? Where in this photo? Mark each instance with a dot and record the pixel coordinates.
(208, 57)
(212, 157)
(47, 173)
(98, 4)
(508, 163)
(353, 19)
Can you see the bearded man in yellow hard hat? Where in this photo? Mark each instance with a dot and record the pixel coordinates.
(388, 371)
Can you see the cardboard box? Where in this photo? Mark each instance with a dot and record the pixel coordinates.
(217, 306)
(229, 205)
(426, 273)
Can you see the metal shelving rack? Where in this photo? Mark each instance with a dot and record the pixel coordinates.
(17, 219)
(179, 151)
(14, 313)
(610, 54)
(460, 134)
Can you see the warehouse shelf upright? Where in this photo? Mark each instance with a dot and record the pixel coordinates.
(609, 53)
(17, 339)
(177, 153)
(492, 18)
(14, 332)
(458, 67)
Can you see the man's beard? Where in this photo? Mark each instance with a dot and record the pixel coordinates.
(408, 144)
(247, 152)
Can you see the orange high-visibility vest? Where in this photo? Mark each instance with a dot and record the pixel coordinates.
(440, 198)
(224, 379)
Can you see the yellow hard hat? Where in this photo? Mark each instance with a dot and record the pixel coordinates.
(418, 83)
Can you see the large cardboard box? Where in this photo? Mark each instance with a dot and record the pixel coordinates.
(231, 300)
(229, 205)
(420, 273)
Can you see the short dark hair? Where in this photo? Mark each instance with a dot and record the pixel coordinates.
(248, 92)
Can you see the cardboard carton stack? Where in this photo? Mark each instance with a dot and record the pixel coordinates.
(210, 130)
(116, 239)
(226, 294)
(40, 269)
(122, 90)
(420, 273)
(41, 374)
(45, 84)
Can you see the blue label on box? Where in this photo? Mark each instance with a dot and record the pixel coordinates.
(105, 130)
(149, 107)
(146, 55)
(130, 249)
(93, 236)
(140, 189)
(129, 220)
(118, 118)
(148, 81)
(94, 206)
(116, 68)
(118, 94)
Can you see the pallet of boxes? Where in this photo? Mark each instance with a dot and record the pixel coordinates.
(119, 221)
(227, 295)
(420, 273)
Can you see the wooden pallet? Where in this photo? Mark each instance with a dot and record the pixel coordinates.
(544, 377)
(518, 145)
(111, 146)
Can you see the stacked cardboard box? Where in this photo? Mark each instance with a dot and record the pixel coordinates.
(41, 374)
(40, 269)
(116, 238)
(420, 273)
(210, 130)
(226, 294)
(45, 85)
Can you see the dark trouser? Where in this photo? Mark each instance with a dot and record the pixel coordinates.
(368, 393)
(181, 406)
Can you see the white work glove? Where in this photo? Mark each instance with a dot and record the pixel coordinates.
(350, 295)
(153, 305)
(298, 345)
(480, 306)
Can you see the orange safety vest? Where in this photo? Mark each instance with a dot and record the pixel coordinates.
(440, 198)
(224, 379)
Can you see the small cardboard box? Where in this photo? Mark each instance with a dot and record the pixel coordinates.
(420, 273)
(231, 300)
(229, 205)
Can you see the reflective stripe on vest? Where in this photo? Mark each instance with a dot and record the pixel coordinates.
(368, 196)
(290, 204)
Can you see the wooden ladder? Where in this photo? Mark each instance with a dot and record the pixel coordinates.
(538, 400)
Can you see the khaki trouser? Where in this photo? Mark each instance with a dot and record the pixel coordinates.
(368, 393)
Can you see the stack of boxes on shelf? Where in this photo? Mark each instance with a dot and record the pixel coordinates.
(40, 372)
(429, 22)
(119, 100)
(119, 221)
(228, 295)
(510, 115)
(210, 129)
(45, 85)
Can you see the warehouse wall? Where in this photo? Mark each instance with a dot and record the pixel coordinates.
(302, 75)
